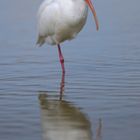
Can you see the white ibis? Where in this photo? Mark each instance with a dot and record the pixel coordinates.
(60, 20)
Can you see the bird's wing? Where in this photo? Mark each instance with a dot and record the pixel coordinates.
(43, 5)
(47, 19)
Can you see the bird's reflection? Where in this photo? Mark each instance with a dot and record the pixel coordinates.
(63, 121)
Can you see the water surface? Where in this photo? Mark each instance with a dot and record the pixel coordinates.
(101, 94)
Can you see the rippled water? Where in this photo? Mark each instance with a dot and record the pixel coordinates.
(101, 92)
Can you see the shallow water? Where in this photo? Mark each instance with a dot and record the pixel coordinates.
(101, 92)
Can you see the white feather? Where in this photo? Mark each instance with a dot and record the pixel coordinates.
(60, 20)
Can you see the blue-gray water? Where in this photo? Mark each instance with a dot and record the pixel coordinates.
(101, 97)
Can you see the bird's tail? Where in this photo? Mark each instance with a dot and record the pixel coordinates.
(40, 41)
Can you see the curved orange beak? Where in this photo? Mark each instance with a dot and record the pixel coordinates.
(89, 3)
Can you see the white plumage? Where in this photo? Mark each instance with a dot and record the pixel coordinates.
(60, 20)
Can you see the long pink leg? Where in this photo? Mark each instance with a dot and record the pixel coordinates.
(61, 58)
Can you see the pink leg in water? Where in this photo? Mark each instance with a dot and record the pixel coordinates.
(62, 86)
(61, 58)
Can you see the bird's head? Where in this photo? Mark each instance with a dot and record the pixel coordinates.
(89, 3)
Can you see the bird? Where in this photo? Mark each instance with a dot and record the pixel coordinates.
(61, 20)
